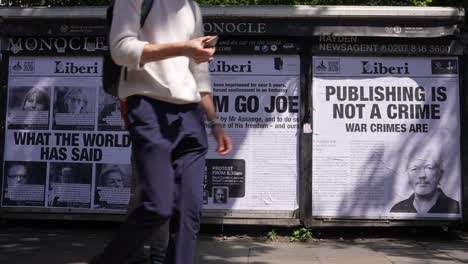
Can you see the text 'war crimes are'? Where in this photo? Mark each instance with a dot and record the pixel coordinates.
(386, 128)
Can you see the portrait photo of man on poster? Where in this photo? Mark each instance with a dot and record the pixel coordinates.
(220, 195)
(425, 171)
(24, 173)
(23, 183)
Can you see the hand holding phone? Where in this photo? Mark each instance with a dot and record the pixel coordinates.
(210, 43)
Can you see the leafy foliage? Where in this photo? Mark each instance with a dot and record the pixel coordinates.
(336, 2)
(272, 235)
(249, 2)
(25, 3)
(302, 234)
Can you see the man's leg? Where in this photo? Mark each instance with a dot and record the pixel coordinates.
(149, 126)
(160, 238)
(190, 207)
(189, 172)
(135, 201)
(136, 229)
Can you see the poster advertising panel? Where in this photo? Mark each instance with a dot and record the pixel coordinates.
(386, 138)
(65, 143)
(257, 99)
(78, 155)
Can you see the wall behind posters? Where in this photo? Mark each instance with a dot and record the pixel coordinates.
(262, 172)
(386, 128)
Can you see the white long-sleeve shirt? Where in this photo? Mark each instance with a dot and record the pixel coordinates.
(177, 80)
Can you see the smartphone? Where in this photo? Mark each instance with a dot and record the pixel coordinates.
(211, 42)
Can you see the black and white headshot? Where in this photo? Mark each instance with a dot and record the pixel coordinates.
(424, 171)
(112, 186)
(28, 107)
(220, 195)
(24, 183)
(29, 98)
(36, 99)
(74, 100)
(113, 175)
(74, 108)
(20, 172)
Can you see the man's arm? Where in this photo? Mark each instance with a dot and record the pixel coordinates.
(193, 49)
(202, 77)
(224, 141)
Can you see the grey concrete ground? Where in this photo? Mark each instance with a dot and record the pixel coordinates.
(65, 243)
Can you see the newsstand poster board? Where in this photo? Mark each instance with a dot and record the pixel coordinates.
(65, 143)
(386, 137)
(66, 147)
(257, 99)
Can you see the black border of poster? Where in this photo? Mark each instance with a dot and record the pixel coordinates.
(3, 109)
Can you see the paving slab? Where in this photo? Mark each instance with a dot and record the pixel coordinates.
(320, 252)
(457, 250)
(211, 251)
(283, 253)
(28, 245)
(421, 252)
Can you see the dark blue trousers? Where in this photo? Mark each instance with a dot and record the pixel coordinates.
(170, 145)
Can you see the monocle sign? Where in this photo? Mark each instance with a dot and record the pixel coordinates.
(235, 28)
(54, 44)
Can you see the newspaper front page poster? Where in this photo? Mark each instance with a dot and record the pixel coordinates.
(65, 143)
(386, 137)
(257, 99)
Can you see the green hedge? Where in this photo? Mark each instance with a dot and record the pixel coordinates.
(248, 2)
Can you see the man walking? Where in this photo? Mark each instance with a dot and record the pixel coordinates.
(168, 92)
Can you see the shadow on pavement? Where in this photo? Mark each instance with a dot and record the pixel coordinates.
(62, 242)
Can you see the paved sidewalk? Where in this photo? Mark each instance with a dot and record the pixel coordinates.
(365, 251)
(29, 244)
(375, 251)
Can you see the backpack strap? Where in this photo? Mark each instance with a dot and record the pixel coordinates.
(146, 6)
(196, 11)
(110, 13)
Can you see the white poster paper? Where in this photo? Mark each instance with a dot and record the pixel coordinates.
(65, 144)
(386, 137)
(257, 98)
